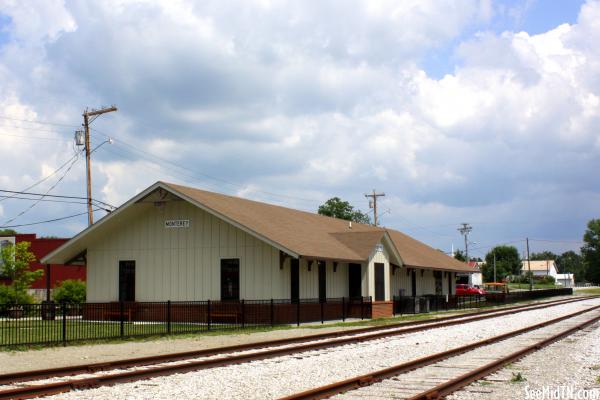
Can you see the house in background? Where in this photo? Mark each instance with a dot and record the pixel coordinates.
(54, 274)
(472, 278)
(543, 268)
(172, 242)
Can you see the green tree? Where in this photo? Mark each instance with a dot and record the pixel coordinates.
(571, 262)
(508, 263)
(460, 256)
(7, 232)
(338, 208)
(15, 266)
(544, 255)
(591, 251)
(70, 291)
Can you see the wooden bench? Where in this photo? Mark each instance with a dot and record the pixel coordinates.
(126, 312)
(226, 314)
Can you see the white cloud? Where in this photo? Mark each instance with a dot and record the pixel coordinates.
(309, 100)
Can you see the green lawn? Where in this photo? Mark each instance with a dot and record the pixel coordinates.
(587, 291)
(525, 286)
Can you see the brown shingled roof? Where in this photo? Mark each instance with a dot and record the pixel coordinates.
(316, 236)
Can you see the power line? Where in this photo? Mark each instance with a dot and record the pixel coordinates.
(40, 181)
(34, 137)
(55, 196)
(48, 200)
(46, 221)
(48, 191)
(38, 122)
(137, 149)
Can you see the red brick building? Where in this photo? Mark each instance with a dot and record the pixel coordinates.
(40, 247)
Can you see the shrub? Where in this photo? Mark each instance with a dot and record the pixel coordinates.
(70, 291)
(9, 296)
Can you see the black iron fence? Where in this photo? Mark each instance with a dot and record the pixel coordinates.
(427, 303)
(50, 323)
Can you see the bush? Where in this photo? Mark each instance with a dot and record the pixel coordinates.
(546, 279)
(71, 291)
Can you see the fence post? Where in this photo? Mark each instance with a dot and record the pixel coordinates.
(208, 321)
(343, 309)
(272, 314)
(168, 317)
(362, 308)
(243, 315)
(64, 323)
(122, 317)
(298, 312)
(321, 302)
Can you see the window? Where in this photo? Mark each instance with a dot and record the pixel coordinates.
(354, 280)
(322, 281)
(127, 280)
(230, 279)
(294, 280)
(379, 282)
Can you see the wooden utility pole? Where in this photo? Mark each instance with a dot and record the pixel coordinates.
(373, 204)
(529, 266)
(464, 230)
(88, 162)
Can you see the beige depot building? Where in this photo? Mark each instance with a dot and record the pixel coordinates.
(172, 242)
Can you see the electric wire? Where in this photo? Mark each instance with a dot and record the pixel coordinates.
(48, 191)
(56, 196)
(46, 221)
(43, 179)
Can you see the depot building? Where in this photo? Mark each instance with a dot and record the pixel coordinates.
(172, 242)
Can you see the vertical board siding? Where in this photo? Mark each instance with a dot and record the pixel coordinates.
(383, 258)
(184, 263)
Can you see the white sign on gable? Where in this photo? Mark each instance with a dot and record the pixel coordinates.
(177, 223)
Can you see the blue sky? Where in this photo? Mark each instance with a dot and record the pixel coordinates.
(473, 111)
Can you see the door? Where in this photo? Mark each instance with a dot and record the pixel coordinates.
(437, 275)
(449, 282)
(354, 280)
(322, 281)
(294, 280)
(413, 282)
(230, 279)
(379, 282)
(127, 280)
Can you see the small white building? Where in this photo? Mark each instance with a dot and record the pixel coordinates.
(172, 242)
(566, 280)
(539, 268)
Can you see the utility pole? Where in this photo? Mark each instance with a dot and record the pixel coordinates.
(88, 118)
(464, 230)
(373, 204)
(529, 266)
(494, 266)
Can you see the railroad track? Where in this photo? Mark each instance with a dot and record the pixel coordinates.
(438, 375)
(95, 375)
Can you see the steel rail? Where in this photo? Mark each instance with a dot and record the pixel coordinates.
(32, 375)
(356, 382)
(134, 375)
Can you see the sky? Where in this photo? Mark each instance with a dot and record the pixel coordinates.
(476, 111)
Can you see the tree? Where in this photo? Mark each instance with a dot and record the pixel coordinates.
(338, 208)
(15, 266)
(591, 251)
(7, 232)
(571, 262)
(544, 255)
(460, 256)
(70, 291)
(508, 263)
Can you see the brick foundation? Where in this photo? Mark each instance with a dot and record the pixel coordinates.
(383, 309)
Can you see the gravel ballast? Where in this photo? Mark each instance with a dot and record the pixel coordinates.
(290, 374)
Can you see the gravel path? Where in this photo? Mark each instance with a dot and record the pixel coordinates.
(572, 363)
(290, 374)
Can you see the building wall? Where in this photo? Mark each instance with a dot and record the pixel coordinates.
(184, 263)
(401, 280)
(379, 255)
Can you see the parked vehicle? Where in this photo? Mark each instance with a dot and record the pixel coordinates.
(462, 288)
